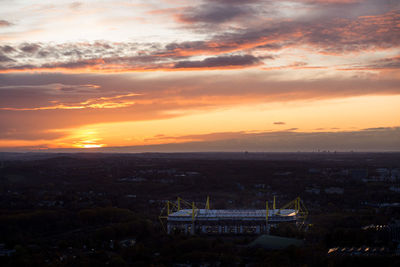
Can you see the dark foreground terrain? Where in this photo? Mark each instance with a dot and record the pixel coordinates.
(102, 209)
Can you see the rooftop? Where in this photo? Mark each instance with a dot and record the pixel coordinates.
(231, 214)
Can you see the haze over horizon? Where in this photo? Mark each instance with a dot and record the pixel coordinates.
(209, 75)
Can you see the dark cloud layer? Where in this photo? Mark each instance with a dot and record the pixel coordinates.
(4, 58)
(107, 56)
(30, 48)
(386, 63)
(214, 14)
(331, 35)
(223, 61)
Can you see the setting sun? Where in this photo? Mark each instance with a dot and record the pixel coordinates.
(91, 146)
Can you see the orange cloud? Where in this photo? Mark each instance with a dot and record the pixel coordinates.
(335, 36)
(234, 50)
(119, 98)
(95, 103)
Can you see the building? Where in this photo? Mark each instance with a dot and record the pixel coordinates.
(359, 251)
(228, 221)
(233, 221)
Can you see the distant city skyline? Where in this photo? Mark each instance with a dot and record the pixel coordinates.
(209, 75)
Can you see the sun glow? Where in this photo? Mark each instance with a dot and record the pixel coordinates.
(92, 145)
(361, 113)
(86, 138)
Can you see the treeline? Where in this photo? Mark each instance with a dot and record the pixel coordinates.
(41, 226)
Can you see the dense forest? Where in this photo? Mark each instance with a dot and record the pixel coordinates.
(102, 209)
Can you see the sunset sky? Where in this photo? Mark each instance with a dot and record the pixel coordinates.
(203, 75)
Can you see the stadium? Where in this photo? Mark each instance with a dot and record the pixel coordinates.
(229, 221)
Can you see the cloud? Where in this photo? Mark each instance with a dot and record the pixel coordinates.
(328, 34)
(4, 58)
(5, 23)
(7, 49)
(331, 1)
(30, 135)
(198, 137)
(331, 36)
(59, 96)
(378, 129)
(279, 123)
(379, 140)
(30, 48)
(233, 2)
(75, 5)
(214, 13)
(389, 63)
(44, 102)
(222, 61)
(282, 141)
(340, 36)
(104, 56)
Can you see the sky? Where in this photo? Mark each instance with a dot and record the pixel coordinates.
(204, 75)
